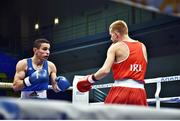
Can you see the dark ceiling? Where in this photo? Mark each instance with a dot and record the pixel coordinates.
(47, 7)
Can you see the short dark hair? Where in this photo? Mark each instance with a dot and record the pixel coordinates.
(38, 42)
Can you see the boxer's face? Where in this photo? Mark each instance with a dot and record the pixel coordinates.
(43, 52)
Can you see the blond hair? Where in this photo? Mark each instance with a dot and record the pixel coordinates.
(119, 26)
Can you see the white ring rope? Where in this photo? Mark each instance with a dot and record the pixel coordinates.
(10, 86)
(147, 81)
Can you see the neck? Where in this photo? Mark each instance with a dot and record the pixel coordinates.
(37, 61)
(127, 38)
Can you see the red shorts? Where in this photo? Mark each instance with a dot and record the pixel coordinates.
(126, 95)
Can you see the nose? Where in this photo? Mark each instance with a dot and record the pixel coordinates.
(48, 52)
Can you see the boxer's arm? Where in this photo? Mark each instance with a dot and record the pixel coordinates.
(59, 83)
(85, 84)
(19, 75)
(53, 76)
(106, 68)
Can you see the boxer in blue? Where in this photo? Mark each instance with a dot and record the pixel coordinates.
(33, 74)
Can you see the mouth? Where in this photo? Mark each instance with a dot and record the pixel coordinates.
(46, 57)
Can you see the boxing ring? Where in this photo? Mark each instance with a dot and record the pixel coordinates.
(80, 108)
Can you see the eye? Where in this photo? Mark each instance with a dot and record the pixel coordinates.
(45, 49)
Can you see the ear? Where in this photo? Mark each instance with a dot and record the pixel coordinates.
(118, 35)
(34, 49)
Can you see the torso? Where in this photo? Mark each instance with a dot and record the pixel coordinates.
(129, 61)
(37, 90)
(122, 52)
(38, 67)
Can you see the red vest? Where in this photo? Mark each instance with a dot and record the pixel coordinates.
(134, 67)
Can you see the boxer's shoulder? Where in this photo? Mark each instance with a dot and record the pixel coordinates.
(22, 64)
(51, 64)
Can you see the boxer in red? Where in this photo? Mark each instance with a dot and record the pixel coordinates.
(128, 60)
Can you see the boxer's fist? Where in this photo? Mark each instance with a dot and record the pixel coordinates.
(36, 77)
(85, 85)
(63, 83)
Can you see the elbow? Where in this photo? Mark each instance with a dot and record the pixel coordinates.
(16, 87)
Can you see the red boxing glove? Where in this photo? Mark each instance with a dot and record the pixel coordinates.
(86, 84)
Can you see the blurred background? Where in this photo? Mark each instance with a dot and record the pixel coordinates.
(78, 32)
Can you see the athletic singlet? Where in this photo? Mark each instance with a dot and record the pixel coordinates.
(134, 67)
(30, 70)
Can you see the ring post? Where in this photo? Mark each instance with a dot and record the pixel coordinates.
(79, 97)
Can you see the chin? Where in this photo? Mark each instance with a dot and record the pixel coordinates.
(45, 58)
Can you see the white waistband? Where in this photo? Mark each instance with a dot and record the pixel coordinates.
(128, 83)
(33, 94)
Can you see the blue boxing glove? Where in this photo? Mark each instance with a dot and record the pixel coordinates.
(63, 83)
(36, 77)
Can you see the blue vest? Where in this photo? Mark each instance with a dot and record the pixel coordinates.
(30, 70)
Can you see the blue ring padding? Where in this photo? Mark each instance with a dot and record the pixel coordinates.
(172, 100)
(11, 110)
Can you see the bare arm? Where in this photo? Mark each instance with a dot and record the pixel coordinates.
(19, 75)
(105, 69)
(144, 52)
(53, 76)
